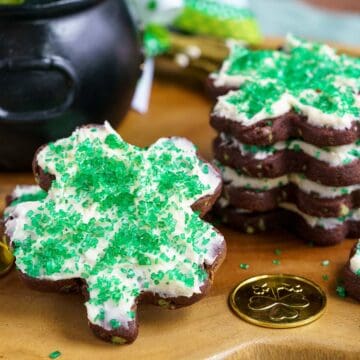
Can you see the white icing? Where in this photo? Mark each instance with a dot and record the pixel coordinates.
(21, 190)
(355, 260)
(18, 225)
(232, 178)
(223, 79)
(319, 118)
(295, 42)
(316, 117)
(353, 83)
(226, 110)
(326, 223)
(332, 155)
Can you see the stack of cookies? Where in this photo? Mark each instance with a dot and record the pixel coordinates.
(288, 140)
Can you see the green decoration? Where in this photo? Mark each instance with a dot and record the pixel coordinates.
(157, 40)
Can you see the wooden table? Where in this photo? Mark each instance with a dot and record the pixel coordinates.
(34, 324)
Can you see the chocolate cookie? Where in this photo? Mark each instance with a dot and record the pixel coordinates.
(287, 126)
(264, 194)
(338, 166)
(319, 231)
(119, 223)
(352, 273)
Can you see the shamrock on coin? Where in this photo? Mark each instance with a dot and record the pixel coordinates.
(282, 302)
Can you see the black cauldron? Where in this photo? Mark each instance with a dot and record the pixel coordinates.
(63, 63)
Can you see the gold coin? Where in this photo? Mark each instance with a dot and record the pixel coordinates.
(278, 301)
(6, 258)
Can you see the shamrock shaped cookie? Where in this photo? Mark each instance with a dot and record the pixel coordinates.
(120, 222)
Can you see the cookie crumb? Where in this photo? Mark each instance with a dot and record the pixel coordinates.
(249, 230)
(118, 340)
(325, 263)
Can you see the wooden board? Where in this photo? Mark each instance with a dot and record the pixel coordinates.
(34, 324)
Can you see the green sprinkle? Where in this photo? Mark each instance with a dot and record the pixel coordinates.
(55, 355)
(113, 142)
(115, 324)
(276, 262)
(325, 277)
(205, 169)
(277, 252)
(340, 290)
(302, 176)
(296, 148)
(357, 272)
(244, 266)
(325, 263)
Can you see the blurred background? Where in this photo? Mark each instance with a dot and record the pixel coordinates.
(55, 80)
(331, 20)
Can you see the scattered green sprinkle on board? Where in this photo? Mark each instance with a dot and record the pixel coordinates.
(325, 263)
(277, 252)
(244, 266)
(55, 354)
(340, 290)
(276, 262)
(325, 277)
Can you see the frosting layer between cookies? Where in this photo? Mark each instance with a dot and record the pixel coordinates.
(120, 218)
(236, 179)
(327, 223)
(355, 261)
(332, 155)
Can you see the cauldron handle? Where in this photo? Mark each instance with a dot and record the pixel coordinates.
(41, 64)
